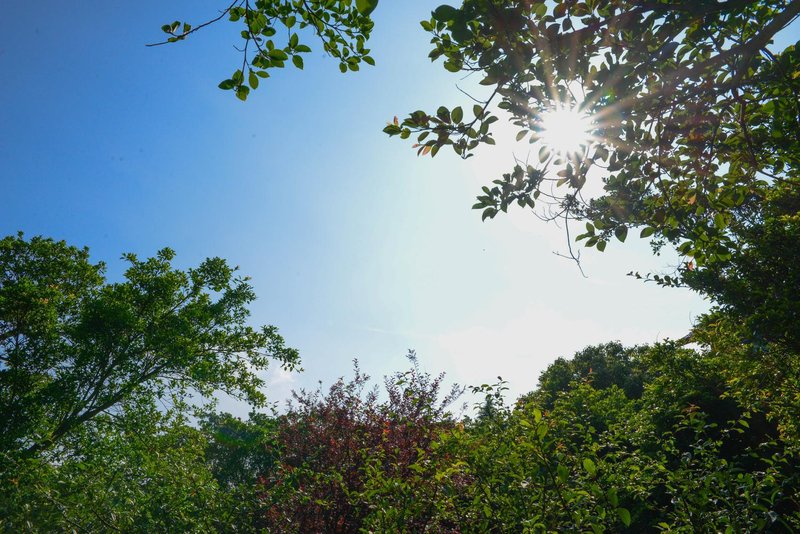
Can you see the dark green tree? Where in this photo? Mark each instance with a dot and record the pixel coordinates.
(758, 287)
(686, 453)
(73, 346)
(603, 366)
(238, 450)
(140, 471)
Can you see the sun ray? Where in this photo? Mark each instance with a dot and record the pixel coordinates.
(565, 130)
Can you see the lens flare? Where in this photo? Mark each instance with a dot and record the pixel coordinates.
(565, 130)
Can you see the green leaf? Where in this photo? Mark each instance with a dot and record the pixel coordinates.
(621, 232)
(460, 31)
(298, 62)
(624, 516)
(563, 473)
(365, 7)
(445, 13)
(452, 65)
(457, 115)
(253, 79)
(588, 464)
(227, 84)
(544, 153)
(278, 54)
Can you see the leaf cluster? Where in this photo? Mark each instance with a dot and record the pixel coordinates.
(694, 118)
(73, 346)
(341, 26)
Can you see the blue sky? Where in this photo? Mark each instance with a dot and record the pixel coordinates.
(356, 247)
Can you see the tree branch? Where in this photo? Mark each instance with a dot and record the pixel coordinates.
(201, 26)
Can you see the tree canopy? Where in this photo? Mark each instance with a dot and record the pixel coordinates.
(73, 346)
(691, 118)
(688, 116)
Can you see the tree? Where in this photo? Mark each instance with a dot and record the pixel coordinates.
(239, 454)
(758, 286)
(603, 366)
(691, 119)
(686, 122)
(237, 449)
(680, 453)
(142, 471)
(342, 26)
(73, 346)
(337, 451)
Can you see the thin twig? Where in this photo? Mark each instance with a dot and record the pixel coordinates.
(201, 26)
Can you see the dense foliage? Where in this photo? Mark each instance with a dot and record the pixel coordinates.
(336, 451)
(96, 374)
(693, 119)
(612, 439)
(104, 386)
(682, 449)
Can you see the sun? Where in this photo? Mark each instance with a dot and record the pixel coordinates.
(565, 130)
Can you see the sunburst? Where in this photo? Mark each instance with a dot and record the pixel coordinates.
(565, 130)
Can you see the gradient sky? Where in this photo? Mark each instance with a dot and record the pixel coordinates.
(356, 247)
